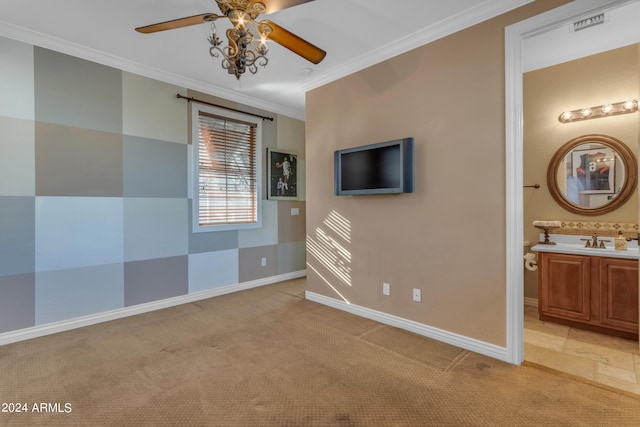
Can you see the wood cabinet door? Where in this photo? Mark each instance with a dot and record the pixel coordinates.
(565, 286)
(619, 293)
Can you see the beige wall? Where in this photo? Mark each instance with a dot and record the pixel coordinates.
(594, 80)
(448, 237)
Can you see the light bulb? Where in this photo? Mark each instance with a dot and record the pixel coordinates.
(631, 105)
(586, 112)
(566, 116)
(238, 18)
(606, 109)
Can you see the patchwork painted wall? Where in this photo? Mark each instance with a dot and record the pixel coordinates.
(94, 198)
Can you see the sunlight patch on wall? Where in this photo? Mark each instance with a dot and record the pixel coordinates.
(339, 224)
(328, 283)
(328, 250)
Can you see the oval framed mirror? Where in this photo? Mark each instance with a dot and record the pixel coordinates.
(592, 174)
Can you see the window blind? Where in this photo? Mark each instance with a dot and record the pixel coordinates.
(226, 171)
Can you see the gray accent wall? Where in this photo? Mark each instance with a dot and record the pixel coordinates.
(95, 213)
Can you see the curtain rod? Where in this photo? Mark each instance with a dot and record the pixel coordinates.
(190, 99)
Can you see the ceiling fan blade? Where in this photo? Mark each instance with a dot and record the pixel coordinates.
(276, 5)
(177, 23)
(294, 43)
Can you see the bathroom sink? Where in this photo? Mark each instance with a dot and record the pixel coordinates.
(573, 245)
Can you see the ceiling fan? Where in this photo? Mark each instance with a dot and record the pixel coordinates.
(241, 53)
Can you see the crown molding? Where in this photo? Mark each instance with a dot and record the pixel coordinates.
(483, 11)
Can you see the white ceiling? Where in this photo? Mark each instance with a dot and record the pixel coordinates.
(355, 33)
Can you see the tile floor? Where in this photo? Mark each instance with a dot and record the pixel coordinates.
(601, 358)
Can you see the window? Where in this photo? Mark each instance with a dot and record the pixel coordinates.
(227, 169)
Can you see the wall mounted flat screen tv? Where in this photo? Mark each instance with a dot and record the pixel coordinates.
(382, 168)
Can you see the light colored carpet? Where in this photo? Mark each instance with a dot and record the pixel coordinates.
(429, 352)
(267, 357)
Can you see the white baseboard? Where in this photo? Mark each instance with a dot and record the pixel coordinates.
(531, 302)
(79, 322)
(461, 341)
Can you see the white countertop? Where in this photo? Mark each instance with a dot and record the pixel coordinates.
(573, 245)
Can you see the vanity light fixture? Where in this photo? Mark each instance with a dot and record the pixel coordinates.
(605, 110)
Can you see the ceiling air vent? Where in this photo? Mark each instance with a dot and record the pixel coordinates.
(583, 24)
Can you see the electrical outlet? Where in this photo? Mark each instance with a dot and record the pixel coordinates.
(386, 289)
(264, 262)
(417, 295)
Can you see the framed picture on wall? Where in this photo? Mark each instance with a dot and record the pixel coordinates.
(594, 170)
(282, 168)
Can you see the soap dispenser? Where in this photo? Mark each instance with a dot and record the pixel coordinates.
(620, 242)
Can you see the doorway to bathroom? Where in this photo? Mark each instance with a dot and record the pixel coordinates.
(527, 49)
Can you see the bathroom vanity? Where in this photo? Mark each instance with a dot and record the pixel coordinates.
(589, 288)
(581, 282)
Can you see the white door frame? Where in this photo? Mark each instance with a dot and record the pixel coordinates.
(514, 36)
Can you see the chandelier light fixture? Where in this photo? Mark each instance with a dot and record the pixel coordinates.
(246, 46)
(242, 52)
